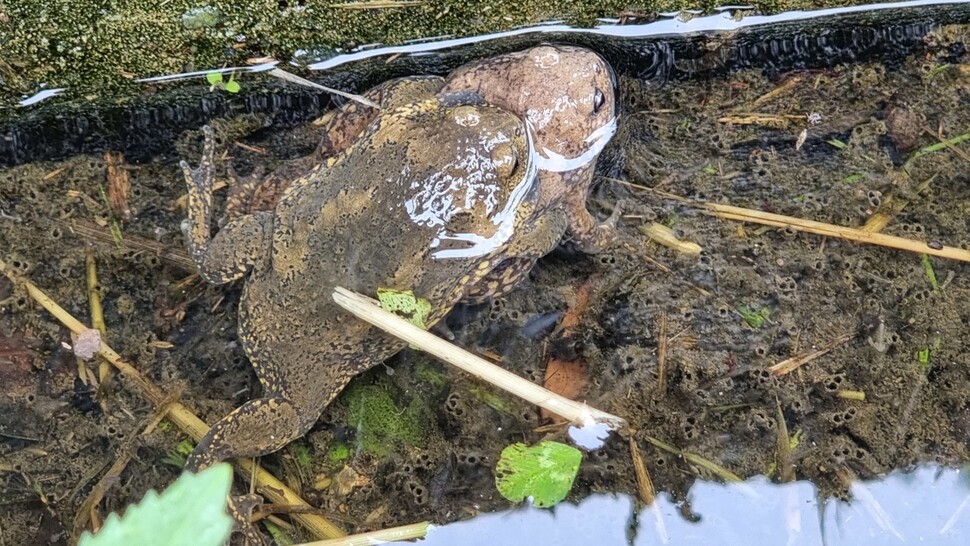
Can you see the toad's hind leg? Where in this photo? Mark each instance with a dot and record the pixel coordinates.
(256, 428)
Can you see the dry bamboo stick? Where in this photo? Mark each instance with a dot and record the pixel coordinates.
(368, 310)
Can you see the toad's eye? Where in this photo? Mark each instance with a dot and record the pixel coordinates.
(599, 99)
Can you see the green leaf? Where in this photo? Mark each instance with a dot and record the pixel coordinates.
(923, 357)
(406, 305)
(181, 454)
(837, 143)
(232, 86)
(280, 536)
(544, 472)
(214, 78)
(191, 511)
(755, 317)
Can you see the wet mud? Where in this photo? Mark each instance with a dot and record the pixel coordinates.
(752, 298)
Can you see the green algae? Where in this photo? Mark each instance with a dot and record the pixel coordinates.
(338, 453)
(380, 424)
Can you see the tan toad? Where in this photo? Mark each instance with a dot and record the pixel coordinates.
(566, 95)
(428, 199)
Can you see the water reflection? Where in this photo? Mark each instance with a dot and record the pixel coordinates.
(927, 506)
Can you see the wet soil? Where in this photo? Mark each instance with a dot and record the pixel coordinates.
(907, 342)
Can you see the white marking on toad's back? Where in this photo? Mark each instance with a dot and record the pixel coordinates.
(547, 59)
(504, 219)
(467, 119)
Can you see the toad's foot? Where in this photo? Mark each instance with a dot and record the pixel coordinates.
(537, 239)
(256, 428)
(589, 235)
(239, 245)
(241, 510)
(199, 184)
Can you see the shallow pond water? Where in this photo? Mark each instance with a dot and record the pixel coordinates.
(927, 506)
(809, 136)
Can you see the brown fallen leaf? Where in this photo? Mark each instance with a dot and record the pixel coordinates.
(566, 378)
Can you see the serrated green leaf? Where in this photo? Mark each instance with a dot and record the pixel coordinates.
(232, 86)
(214, 78)
(190, 511)
(406, 305)
(545, 472)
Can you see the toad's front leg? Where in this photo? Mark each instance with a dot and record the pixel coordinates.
(590, 235)
(537, 238)
(239, 245)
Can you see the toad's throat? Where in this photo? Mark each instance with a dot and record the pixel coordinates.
(550, 161)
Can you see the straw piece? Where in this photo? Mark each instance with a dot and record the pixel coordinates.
(368, 310)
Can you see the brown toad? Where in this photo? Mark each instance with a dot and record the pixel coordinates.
(427, 199)
(565, 94)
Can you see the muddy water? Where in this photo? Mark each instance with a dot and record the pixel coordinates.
(831, 143)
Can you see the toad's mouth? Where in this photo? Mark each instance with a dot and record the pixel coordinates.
(551, 161)
(478, 245)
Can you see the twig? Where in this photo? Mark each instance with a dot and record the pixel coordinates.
(943, 144)
(394, 534)
(891, 207)
(858, 396)
(664, 235)
(791, 364)
(662, 354)
(172, 255)
(781, 89)
(87, 511)
(646, 493)
(377, 4)
(189, 423)
(97, 318)
(831, 230)
(293, 78)
(119, 185)
(820, 228)
(757, 118)
(786, 470)
(695, 459)
(368, 310)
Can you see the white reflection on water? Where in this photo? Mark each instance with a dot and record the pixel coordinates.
(927, 506)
